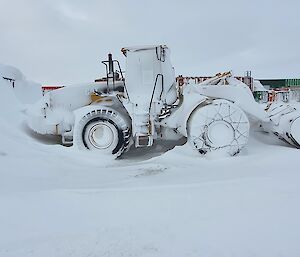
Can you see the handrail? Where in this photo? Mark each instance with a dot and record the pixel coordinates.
(154, 88)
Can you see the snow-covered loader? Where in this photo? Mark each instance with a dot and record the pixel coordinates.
(113, 113)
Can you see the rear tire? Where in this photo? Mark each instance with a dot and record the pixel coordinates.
(104, 130)
(220, 126)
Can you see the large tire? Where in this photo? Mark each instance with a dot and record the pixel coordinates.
(104, 130)
(220, 126)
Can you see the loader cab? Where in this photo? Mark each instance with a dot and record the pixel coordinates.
(150, 87)
(149, 72)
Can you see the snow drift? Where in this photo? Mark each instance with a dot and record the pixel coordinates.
(27, 91)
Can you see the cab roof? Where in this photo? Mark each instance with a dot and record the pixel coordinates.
(141, 48)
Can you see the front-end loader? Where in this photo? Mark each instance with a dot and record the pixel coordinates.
(147, 104)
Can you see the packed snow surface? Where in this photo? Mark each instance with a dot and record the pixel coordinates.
(58, 201)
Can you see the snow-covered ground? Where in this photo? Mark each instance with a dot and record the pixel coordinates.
(58, 201)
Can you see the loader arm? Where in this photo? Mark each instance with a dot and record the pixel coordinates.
(224, 86)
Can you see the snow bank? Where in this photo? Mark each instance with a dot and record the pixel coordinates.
(26, 91)
(10, 106)
(258, 86)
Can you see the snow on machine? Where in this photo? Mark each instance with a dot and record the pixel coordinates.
(113, 113)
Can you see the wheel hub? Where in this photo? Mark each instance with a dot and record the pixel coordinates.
(101, 136)
(220, 133)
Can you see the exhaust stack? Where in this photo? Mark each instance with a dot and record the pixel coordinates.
(110, 64)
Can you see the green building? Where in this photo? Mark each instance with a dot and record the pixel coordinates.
(281, 83)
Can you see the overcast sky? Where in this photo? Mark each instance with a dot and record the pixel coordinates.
(53, 41)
